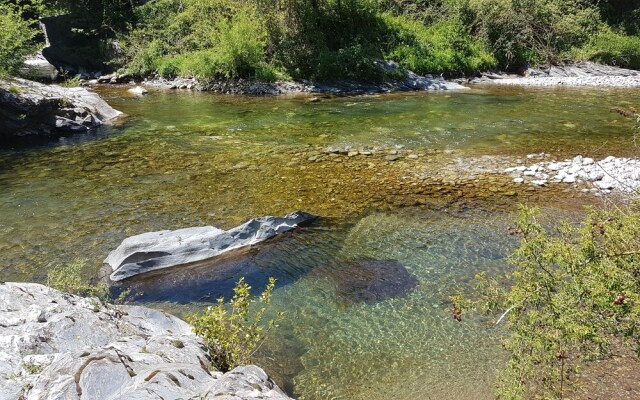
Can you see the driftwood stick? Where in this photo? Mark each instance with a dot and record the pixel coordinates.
(504, 314)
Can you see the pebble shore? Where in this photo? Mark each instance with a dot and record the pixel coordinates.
(599, 176)
(573, 81)
(582, 74)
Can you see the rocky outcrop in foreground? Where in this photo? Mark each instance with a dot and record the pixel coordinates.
(56, 346)
(33, 109)
(153, 251)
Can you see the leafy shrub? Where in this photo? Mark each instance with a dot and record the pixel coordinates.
(233, 335)
(355, 61)
(615, 49)
(241, 42)
(270, 73)
(573, 290)
(443, 47)
(16, 40)
(208, 39)
(520, 33)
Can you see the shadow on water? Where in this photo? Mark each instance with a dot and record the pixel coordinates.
(37, 142)
(286, 258)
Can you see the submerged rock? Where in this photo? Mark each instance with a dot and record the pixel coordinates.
(32, 108)
(369, 281)
(138, 90)
(153, 251)
(59, 346)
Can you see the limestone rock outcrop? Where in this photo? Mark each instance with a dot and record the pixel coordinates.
(56, 346)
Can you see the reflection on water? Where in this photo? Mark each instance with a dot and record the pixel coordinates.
(365, 290)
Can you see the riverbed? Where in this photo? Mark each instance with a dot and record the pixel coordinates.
(409, 179)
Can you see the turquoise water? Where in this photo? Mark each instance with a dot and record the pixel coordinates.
(187, 159)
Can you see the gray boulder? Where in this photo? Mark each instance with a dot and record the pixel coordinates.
(32, 108)
(153, 251)
(37, 67)
(59, 346)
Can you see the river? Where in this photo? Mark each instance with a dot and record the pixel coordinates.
(426, 200)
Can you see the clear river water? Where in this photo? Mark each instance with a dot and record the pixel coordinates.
(365, 289)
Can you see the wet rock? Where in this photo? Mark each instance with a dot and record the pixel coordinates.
(88, 350)
(153, 251)
(138, 90)
(32, 108)
(369, 281)
(106, 78)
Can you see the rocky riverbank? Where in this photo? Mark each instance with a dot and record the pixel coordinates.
(32, 109)
(411, 82)
(583, 74)
(59, 346)
(604, 176)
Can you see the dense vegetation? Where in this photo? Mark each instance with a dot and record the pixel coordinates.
(337, 39)
(572, 294)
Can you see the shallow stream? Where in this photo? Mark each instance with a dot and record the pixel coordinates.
(419, 225)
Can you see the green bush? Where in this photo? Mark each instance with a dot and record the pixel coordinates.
(270, 73)
(208, 39)
(571, 292)
(526, 32)
(354, 62)
(241, 42)
(443, 47)
(613, 48)
(233, 334)
(16, 40)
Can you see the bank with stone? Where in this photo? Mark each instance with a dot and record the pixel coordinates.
(59, 346)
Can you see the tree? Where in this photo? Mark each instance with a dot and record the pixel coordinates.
(16, 39)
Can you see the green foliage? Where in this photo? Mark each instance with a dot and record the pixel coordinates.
(613, 48)
(342, 39)
(204, 39)
(572, 291)
(446, 46)
(526, 32)
(16, 39)
(70, 82)
(233, 334)
(70, 278)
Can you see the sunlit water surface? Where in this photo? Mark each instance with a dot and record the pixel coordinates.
(185, 159)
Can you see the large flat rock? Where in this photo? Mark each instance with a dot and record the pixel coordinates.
(59, 346)
(30, 108)
(154, 251)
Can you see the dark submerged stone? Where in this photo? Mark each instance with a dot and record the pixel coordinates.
(370, 281)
